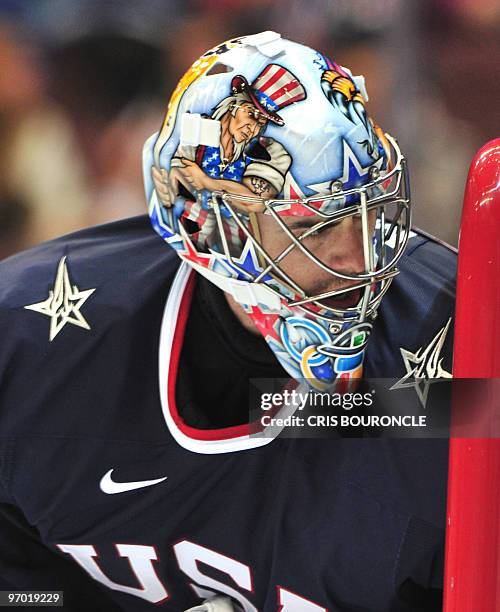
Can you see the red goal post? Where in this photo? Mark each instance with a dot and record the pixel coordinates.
(472, 569)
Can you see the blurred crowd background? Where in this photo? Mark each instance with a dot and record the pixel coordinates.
(84, 82)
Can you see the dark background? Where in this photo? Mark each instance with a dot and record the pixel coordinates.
(83, 83)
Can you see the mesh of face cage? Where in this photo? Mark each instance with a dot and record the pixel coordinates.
(381, 208)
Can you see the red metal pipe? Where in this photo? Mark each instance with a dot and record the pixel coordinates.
(472, 572)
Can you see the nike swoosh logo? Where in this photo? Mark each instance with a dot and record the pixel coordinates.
(110, 487)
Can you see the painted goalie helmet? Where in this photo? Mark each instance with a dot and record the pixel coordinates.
(266, 172)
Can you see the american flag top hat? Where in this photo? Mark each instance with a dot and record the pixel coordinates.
(273, 89)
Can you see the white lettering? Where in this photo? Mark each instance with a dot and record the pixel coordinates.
(140, 559)
(291, 602)
(189, 554)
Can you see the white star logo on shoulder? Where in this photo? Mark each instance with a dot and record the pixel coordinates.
(64, 302)
(424, 367)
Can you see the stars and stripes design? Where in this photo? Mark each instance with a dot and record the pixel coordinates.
(276, 87)
(273, 89)
(208, 234)
(213, 165)
(354, 175)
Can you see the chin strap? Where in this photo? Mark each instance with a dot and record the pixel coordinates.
(250, 294)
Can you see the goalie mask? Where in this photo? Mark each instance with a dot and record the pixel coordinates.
(269, 178)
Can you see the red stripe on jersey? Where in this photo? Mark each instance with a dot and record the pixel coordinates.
(180, 328)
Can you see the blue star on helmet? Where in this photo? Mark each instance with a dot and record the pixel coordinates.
(164, 221)
(353, 173)
(247, 265)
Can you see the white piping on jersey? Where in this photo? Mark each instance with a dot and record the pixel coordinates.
(168, 327)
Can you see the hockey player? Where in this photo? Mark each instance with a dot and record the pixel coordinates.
(131, 474)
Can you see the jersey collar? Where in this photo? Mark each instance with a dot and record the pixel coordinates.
(212, 441)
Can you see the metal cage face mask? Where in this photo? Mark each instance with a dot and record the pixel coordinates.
(259, 167)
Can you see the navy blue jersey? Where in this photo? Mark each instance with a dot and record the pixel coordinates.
(109, 495)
